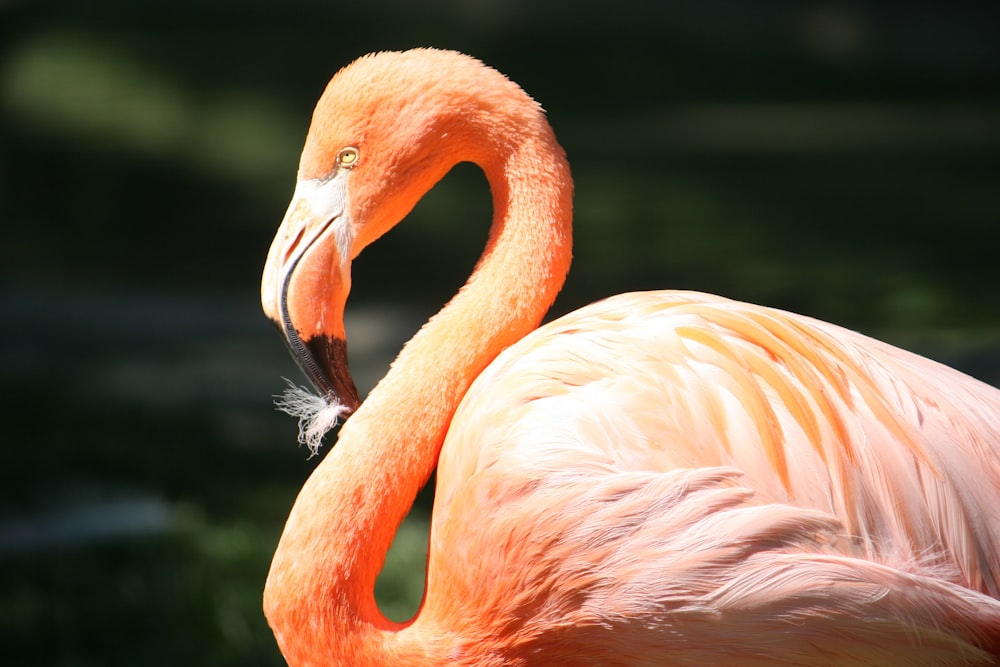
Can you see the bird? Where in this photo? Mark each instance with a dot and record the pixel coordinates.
(659, 478)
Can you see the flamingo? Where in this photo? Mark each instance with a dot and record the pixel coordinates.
(659, 478)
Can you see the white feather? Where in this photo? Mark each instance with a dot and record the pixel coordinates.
(317, 415)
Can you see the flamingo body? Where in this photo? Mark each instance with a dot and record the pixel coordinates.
(791, 474)
(660, 478)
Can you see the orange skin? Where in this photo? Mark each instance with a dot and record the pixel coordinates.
(662, 478)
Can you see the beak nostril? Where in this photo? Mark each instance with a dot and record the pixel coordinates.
(294, 244)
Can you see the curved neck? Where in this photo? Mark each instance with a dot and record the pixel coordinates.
(319, 597)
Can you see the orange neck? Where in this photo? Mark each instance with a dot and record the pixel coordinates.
(319, 596)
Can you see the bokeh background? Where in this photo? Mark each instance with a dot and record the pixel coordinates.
(840, 159)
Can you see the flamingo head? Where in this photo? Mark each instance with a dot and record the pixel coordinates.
(387, 127)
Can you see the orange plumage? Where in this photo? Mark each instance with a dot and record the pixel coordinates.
(660, 478)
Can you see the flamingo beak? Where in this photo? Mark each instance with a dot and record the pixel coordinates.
(306, 281)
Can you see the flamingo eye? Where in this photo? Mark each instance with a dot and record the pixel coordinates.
(347, 157)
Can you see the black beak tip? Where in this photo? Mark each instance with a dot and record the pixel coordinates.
(326, 367)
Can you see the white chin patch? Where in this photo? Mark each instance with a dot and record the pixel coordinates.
(316, 415)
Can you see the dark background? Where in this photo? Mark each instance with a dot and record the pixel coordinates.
(837, 159)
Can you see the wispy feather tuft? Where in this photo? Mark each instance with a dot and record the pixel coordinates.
(317, 415)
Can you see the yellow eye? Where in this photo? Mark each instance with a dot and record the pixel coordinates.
(347, 158)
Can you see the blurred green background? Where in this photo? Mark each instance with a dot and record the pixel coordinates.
(837, 159)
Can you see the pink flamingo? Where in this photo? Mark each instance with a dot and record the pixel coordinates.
(660, 478)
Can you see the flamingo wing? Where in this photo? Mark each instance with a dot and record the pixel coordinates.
(685, 465)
